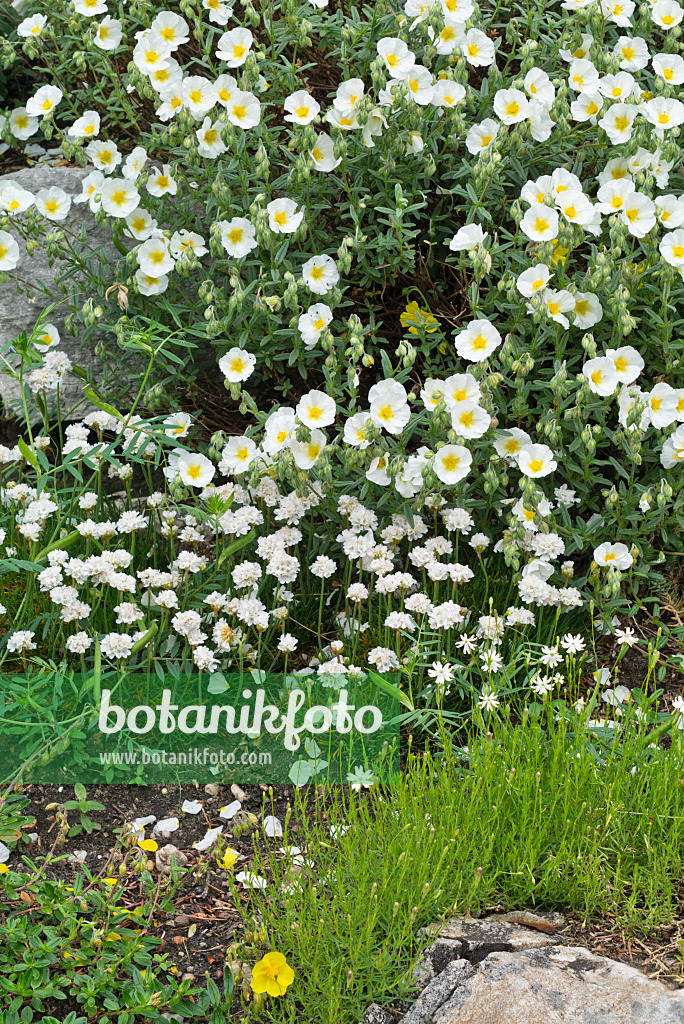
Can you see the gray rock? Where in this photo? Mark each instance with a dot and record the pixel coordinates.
(557, 985)
(438, 992)
(478, 938)
(19, 312)
(375, 1014)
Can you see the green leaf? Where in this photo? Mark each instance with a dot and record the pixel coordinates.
(392, 690)
(235, 546)
(28, 454)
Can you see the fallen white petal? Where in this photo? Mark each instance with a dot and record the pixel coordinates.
(167, 825)
(272, 827)
(230, 811)
(209, 839)
(192, 806)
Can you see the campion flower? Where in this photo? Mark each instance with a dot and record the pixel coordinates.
(511, 105)
(172, 28)
(234, 46)
(632, 52)
(533, 280)
(118, 197)
(536, 460)
(183, 243)
(85, 127)
(301, 107)
(478, 49)
(488, 700)
(154, 258)
(323, 154)
(238, 236)
(420, 87)
(199, 96)
(237, 365)
(539, 87)
(447, 93)
(195, 470)
(480, 136)
(306, 453)
(672, 453)
(32, 26)
(316, 409)
(477, 341)
(397, 57)
(9, 251)
(312, 323)
(661, 406)
(452, 463)
(666, 14)
(48, 338)
(151, 53)
(108, 34)
(557, 304)
(238, 455)
(320, 274)
(672, 248)
(282, 216)
(540, 223)
(469, 419)
(104, 155)
(44, 101)
(627, 362)
(278, 429)
(53, 203)
(601, 376)
(638, 213)
(663, 113)
(209, 142)
(389, 407)
(178, 425)
(669, 67)
(509, 443)
(616, 556)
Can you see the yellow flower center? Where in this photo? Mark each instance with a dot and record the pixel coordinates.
(628, 52)
(119, 197)
(235, 235)
(52, 206)
(596, 377)
(302, 111)
(157, 256)
(610, 557)
(196, 96)
(511, 446)
(280, 436)
(317, 273)
(663, 118)
(570, 211)
(280, 218)
(678, 251)
(486, 139)
(238, 51)
(467, 419)
(194, 472)
(667, 74)
(319, 324)
(554, 308)
(316, 153)
(138, 223)
(513, 108)
(541, 225)
(237, 366)
(473, 50)
(239, 112)
(592, 108)
(450, 462)
(315, 412)
(210, 136)
(106, 156)
(479, 343)
(460, 395)
(386, 413)
(313, 450)
(582, 307)
(392, 60)
(655, 404)
(163, 181)
(242, 454)
(621, 123)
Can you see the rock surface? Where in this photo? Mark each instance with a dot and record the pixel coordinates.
(559, 985)
(493, 971)
(19, 312)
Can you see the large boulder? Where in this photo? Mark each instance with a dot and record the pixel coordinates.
(19, 312)
(558, 985)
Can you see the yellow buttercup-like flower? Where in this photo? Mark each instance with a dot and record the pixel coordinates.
(414, 315)
(272, 975)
